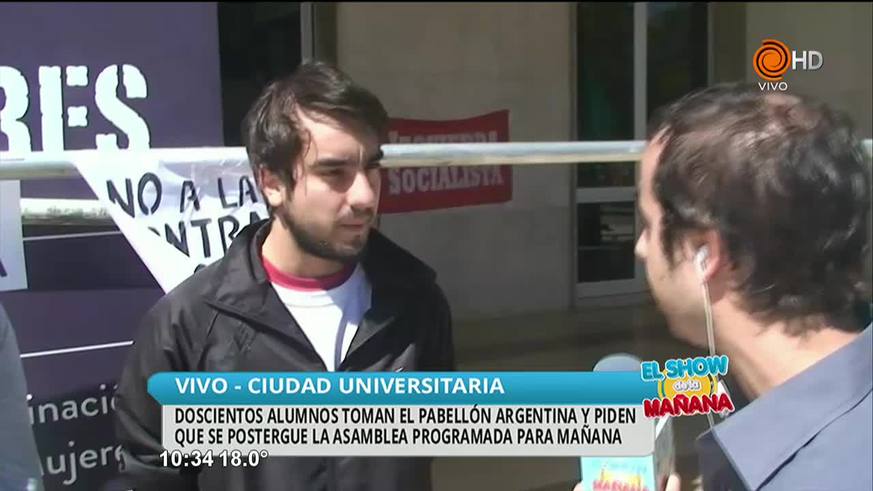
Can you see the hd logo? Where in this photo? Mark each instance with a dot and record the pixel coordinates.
(773, 58)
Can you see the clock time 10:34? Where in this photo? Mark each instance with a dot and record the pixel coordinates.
(233, 458)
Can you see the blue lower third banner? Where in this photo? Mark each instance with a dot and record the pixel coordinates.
(241, 418)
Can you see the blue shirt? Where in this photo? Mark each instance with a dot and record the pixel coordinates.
(813, 432)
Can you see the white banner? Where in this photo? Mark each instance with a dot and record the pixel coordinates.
(13, 274)
(457, 431)
(178, 214)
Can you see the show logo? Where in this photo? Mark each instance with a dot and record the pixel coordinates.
(687, 387)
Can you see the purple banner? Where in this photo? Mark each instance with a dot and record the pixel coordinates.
(138, 74)
(80, 76)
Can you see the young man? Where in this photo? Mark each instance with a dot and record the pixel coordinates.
(314, 288)
(756, 208)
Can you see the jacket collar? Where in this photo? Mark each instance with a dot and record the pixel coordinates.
(241, 285)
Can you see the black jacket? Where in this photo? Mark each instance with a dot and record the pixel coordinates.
(227, 317)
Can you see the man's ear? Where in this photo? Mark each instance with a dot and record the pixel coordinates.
(708, 253)
(272, 187)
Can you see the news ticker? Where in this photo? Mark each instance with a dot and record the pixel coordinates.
(251, 416)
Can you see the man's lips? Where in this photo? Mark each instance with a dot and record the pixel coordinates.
(355, 225)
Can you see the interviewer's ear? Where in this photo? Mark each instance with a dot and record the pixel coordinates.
(708, 255)
(700, 260)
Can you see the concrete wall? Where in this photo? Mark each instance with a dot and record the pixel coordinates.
(841, 32)
(456, 60)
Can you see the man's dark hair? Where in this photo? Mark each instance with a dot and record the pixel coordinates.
(786, 184)
(272, 132)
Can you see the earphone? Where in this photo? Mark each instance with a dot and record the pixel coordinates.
(700, 259)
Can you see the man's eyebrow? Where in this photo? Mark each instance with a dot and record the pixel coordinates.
(330, 162)
(335, 162)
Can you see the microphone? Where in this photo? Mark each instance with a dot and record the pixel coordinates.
(644, 473)
(618, 362)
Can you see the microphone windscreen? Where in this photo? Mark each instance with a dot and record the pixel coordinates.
(618, 362)
(643, 472)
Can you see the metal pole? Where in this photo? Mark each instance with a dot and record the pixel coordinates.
(43, 165)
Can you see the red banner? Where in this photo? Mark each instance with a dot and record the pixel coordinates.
(429, 188)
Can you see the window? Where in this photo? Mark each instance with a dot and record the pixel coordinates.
(258, 42)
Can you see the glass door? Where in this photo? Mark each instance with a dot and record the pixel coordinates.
(631, 59)
(608, 78)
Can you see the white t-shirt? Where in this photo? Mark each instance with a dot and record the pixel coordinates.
(328, 310)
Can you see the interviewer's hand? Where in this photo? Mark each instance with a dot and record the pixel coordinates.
(673, 484)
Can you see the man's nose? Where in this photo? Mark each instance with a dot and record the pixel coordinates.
(363, 192)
